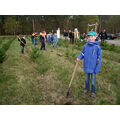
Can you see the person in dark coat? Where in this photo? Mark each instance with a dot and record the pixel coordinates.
(70, 36)
(65, 34)
(103, 35)
(22, 43)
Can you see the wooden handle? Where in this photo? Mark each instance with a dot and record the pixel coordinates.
(20, 40)
(73, 74)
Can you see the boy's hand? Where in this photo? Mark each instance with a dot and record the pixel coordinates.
(18, 36)
(78, 59)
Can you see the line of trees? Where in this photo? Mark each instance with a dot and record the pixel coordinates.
(26, 24)
(111, 23)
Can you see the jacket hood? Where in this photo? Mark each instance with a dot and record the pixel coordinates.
(93, 43)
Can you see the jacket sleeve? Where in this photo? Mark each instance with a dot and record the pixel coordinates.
(81, 56)
(25, 41)
(106, 35)
(18, 39)
(99, 60)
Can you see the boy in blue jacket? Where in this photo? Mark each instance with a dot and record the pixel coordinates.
(49, 38)
(91, 53)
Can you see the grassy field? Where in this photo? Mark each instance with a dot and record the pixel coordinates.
(42, 77)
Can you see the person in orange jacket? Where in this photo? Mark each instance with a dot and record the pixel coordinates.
(43, 41)
(32, 37)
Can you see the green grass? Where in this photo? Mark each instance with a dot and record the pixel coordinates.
(110, 47)
(42, 77)
(38, 57)
(44, 64)
(16, 83)
(2, 55)
(5, 44)
(109, 73)
(106, 76)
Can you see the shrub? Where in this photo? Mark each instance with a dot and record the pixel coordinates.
(66, 43)
(59, 42)
(0, 41)
(67, 53)
(6, 46)
(2, 55)
(110, 47)
(118, 98)
(34, 53)
(44, 64)
(43, 68)
(80, 45)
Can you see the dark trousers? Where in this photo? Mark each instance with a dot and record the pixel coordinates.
(42, 45)
(102, 41)
(22, 49)
(72, 40)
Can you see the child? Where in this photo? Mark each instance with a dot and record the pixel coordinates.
(35, 39)
(55, 40)
(84, 35)
(43, 41)
(40, 37)
(22, 43)
(49, 38)
(32, 37)
(91, 53)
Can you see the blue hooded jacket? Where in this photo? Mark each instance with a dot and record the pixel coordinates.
(55, 39)
(49, 38)
(91, 53)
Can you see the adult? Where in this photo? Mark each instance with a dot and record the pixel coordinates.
(103, 35)
(73, 36)
(70, 36)
(65, 34)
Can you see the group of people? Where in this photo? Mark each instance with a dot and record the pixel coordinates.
(73, 38)
(52, 39)
(44, 38)
(70, 35)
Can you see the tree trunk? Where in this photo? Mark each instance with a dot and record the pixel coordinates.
(33, 25)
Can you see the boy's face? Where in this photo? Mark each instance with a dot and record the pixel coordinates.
(91, 38)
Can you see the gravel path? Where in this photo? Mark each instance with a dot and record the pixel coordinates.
(116, 42)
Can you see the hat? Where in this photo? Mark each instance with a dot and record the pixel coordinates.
(92, 33)
(23, 37)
